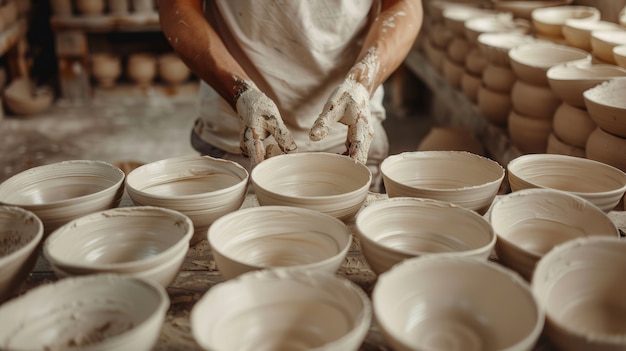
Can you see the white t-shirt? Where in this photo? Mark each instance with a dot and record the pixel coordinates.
(297, 52)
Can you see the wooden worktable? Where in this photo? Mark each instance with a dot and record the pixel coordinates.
(199, 273)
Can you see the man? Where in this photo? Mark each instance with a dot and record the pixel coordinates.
(282, 73)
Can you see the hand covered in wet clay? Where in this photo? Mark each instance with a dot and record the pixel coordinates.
(348, 104)
(259, 118)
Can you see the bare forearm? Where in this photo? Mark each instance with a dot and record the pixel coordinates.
(194, 39)
(388, 41)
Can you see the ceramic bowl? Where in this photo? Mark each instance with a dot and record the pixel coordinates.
(21, 232)
(572, 125)
(201, 187)
(499, 78)
(494, 105)
(171, 69)
(60, 192)
(455, 17)
(307, 309)
(458, 49)
(495, 46)
(125, 240)
(559, 147)
(530, 222)
(440, 36)
(550, 20)
(536, 101)
(435, 8)
(499, 23)
(524, 8)
(607, 107)
(325, 182)
(530, 62)
(606, 148)
(577, 33)
(444, 302)
(22, 98)
(459, 177)
(142, 68)
(99, 312)
(528, 134)
(90, 7)
(470, 84)
(278, 236)
(603, 42)
(106, 68)
(475, 62)
(579, 285)
(396, 229)
(619, 55)
(597, 182)
(570, 80)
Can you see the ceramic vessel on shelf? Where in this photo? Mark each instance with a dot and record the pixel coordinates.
(172, 69)
(475, 62)
(559, 147)
(607, 106)
(499, 78)
(524, 8)
(142, 68)
(470, 84)
(550, 20)
(600, 183)
(106, 68)
(494, 105)
(571, 79)
(499, 23)
(578, 284)
(90, 7)
(495, 46)
(534, 101)
(530, 62)
(619, 54)
(460, 302)
(119, 7)
(572, 125)
(603, 42)
(607, 148)
(529, 134)
(577, 33)
(455, 17)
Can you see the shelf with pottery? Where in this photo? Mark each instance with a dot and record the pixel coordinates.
(148, 21)
(460, 111)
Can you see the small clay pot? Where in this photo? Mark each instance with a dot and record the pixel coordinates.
(142, 68)
(106, 68)
(90, 7)
(172, 69)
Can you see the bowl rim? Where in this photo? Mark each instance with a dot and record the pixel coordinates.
(32, 243)
(514, 54)
(311, 198)
(419, 202)
(263, 210)
(233, 167)
(117, 183)
(588, 94)
(417, 154)
(578, 160)
(81, 264)
(359, 327)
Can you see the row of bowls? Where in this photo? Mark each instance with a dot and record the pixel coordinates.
(386, 230)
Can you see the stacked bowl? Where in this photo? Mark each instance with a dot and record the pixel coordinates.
(201, 187)
(548, 22)
(60, 192)
(147, 242)
(607, 108)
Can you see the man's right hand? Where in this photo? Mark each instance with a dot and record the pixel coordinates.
(258, 119)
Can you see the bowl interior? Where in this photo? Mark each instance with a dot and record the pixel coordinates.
(308, 309)
(311, 175)
(59, 183)
(609, 94)
(429, 302)
(111, 309)
(118, 238)
(545, 55)
(20, 231)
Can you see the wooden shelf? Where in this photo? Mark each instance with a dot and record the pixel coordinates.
(460, 111)
(137, 22)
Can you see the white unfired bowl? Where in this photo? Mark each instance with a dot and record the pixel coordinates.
(459, 177)
(456, 303)
(326, 182)
(60, 192)
(395, 229)
(282, 310)
(201, 187)
(580, 285)
(278, 236)
(99, 312)
(597, 182)
(21, 232)
(530, 222)
(607, 107)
